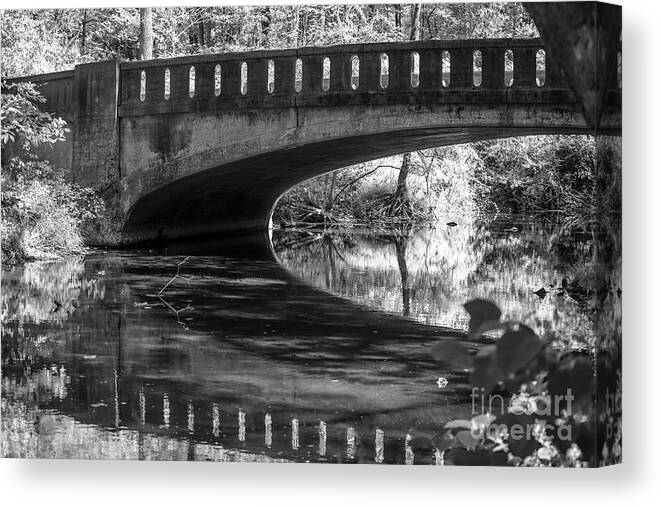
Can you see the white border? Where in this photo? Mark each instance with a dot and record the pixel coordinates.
(62, 482)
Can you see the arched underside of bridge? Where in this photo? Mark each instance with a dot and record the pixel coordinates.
(240, 195)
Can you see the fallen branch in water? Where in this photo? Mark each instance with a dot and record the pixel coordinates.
(177, 275)
(170, 307)
(176, 312)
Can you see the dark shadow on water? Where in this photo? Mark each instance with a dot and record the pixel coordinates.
(222, 364)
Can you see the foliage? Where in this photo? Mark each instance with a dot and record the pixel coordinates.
(47, 40)
(22, 120)
(537, 173)
(439, 182)
(550, 417)
(42, 213)
(50, 40)
(515, 175)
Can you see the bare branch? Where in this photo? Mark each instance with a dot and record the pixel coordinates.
(177, 275)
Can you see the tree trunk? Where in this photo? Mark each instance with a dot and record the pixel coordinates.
(83, 35)
(401, 195)
(398, 15)
(146, 34)
(302, 26)
(330, 198)
(265, 26)
(297, 25)
(415, 21)
(201, 41)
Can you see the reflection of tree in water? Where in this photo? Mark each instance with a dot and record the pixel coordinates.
(43, 291)
(401, 240)
(38, 293)
(428, 274)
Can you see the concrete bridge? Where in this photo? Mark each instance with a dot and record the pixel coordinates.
(207, 144)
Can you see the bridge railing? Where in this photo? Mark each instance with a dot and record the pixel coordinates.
(487, 70)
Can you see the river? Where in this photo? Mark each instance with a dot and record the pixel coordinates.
(307, 345)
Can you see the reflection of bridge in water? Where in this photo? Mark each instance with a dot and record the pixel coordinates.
(261, 363)
(157, 430)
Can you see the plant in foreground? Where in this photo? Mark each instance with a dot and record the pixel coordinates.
(532, 405)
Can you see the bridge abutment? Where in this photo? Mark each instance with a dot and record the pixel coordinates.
(96, 148)
(95, 129)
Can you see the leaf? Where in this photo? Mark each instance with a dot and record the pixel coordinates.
(546, 453)
(516, 348)
(523, 447)
(458, 423)
(486, 351)
(466, 439)
(518, 427)
(481, 422)
(451, 352)
(484, 316)
(488, 325)
(486, 373)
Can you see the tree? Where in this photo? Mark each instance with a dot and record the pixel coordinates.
(146, 34)
(42, 214)
(23, 123)
(415, 21)
(400, 199)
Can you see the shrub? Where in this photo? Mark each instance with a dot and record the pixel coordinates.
(42, 213)
(43, 218)
(534, 173)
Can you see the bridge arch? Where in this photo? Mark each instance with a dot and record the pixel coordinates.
(241, 195)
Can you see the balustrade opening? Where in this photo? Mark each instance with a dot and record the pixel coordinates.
(509, 68)
(244, 78)
(298, 75)
(355, 72)
(540, 67)
(166, 84)
(325, 74)
(415, 69)
(217, 80)
(270, 76)
(384, 74)
(143, 86)
(446, 68)
(477, 68)
(191, 82)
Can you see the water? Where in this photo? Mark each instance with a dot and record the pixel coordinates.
(315, 349)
